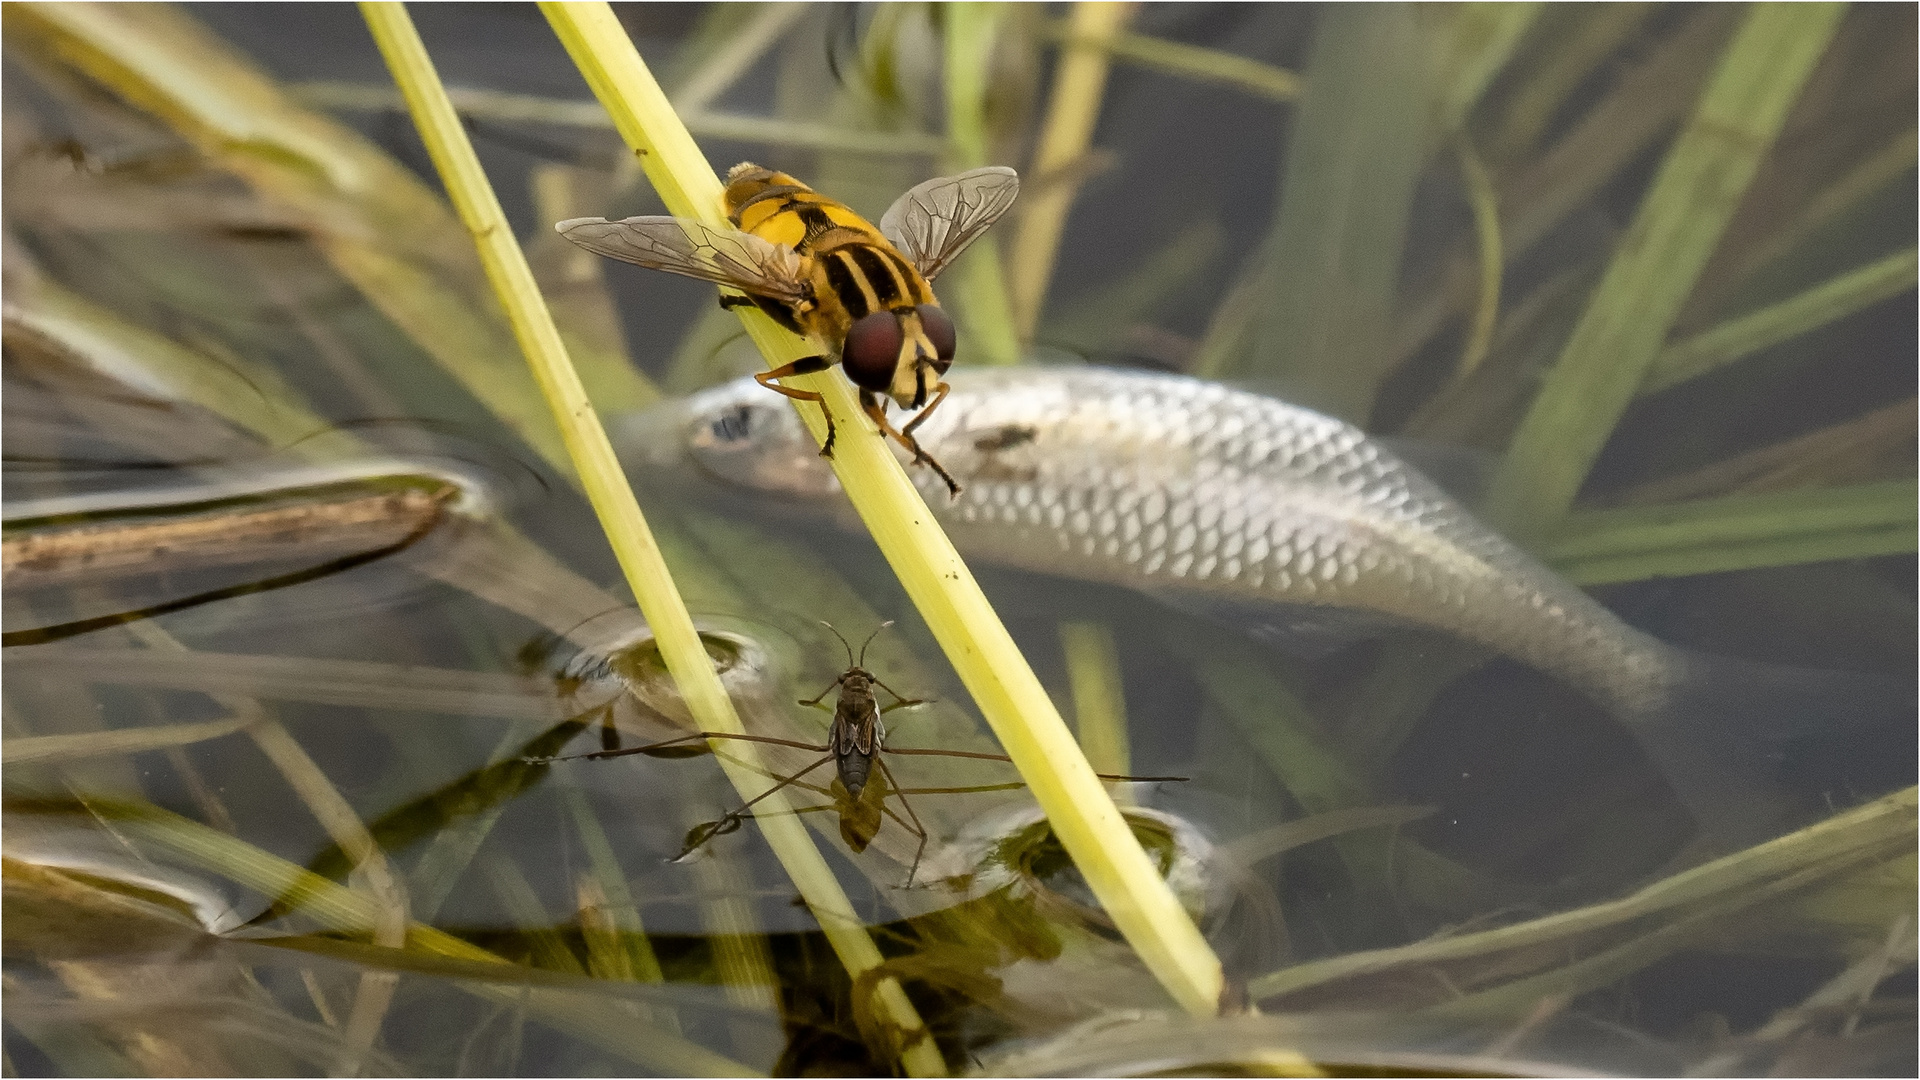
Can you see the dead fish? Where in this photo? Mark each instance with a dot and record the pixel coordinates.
(1217, 498)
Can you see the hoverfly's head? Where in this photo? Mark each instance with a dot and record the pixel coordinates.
(901, 353)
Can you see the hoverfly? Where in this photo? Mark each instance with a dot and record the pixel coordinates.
(860, 295)
(855, 742)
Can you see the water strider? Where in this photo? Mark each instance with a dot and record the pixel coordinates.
(1273, 515)
(855, 742)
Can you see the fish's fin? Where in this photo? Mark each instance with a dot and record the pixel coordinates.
(1754, 749)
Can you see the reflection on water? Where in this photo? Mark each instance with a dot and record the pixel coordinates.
(320, 588)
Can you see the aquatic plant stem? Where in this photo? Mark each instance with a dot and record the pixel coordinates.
(1736, 532)
(940, 585)
(1186, 61)
(613, 500)
(345, 910)
(1859, 836)
(1826, 302)
(371, 870)
(1679, 224)
(1486, 224)
(1079, 80)
(377, 224)
(510, 108)
(1099, 695)
(1331, 262)
(978, 280)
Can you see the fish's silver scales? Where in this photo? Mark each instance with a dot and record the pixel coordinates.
(1208, 491)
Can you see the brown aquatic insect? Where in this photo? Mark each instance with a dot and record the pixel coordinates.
(855, 742)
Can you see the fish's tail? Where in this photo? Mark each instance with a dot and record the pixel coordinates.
(1753, 749)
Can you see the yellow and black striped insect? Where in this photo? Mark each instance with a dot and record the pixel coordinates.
(860, 294)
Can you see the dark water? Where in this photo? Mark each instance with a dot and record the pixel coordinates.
(150, 929)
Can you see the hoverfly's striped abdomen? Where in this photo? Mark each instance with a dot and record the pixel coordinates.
(854, 270)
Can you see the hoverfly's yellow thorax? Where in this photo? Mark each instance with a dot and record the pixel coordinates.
(780, 209)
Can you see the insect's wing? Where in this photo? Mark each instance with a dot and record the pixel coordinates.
(680, 246)
(935, 221)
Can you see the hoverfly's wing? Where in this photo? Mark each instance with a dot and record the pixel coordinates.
(935, 221)
(679, 246)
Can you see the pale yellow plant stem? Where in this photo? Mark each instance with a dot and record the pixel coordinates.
(942, 588)
(613, 501)
(1079, 80)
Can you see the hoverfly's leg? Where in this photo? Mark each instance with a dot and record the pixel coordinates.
(815, 701)
(729, 301)
(878, 412)
(806, 365)
(680, 741)
(609, 734)
(732, 819)
(917, 829)
(940, 392)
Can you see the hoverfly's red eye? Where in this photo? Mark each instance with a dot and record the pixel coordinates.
(939, 330)
(872, 350)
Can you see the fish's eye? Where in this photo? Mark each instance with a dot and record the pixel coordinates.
(734, 424)
(939, 330)
(872, 350)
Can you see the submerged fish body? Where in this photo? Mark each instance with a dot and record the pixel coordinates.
(1203, 493)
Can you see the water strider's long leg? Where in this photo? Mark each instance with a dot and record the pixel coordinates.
(919, 830)
(806, 365)
(680, 740)
(898, 701)
(1003, 757)
(731, 820)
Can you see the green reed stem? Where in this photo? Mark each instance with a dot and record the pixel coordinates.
(985, 308)
(1572, 56)
(1486, 224)
(1079, 80)
(1816, 307)
(509, 108)
(1679, 224)
(1195, 62)
(940, 585)
(1354, 155)
(1736, 532)
(1849, 839)
(1465, 53)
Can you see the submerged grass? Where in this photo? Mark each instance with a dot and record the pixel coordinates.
(1676, 230)
(978, 281)
(1331, 267)
(378, 225)
(1736, 532)
(1822, 853)
(1002, 685)
(1079, 83)
(1825, 303)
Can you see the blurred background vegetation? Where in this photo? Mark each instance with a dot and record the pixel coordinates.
(1652, 265)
